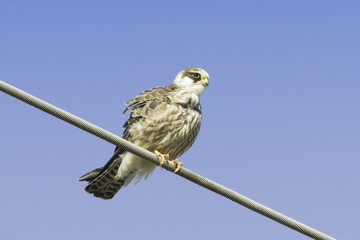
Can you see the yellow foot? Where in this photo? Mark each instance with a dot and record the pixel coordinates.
(178, 165)
(161, 156)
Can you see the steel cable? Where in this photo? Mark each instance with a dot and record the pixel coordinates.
(183, 172)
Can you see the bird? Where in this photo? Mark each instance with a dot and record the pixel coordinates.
(164, 120)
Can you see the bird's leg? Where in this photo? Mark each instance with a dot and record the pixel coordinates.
(161, 156)
(178, 164)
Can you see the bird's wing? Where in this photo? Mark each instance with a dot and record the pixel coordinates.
(140, 107)
(145, 103)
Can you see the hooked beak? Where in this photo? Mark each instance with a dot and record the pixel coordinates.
(204, 81)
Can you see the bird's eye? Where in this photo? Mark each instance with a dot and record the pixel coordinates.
(195, 75)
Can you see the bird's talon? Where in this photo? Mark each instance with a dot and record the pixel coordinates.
(178, 165)
(161, 157)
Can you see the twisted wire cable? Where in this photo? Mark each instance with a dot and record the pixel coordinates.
(183, 172)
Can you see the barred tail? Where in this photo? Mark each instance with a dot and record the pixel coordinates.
(105, 185)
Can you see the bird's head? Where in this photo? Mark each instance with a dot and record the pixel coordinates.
(193, 79)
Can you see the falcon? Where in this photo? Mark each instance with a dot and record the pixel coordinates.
(163, 120)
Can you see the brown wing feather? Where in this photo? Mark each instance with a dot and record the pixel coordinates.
(145, 103)
(172, 133)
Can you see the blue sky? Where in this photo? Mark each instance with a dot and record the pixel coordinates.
(280, 117)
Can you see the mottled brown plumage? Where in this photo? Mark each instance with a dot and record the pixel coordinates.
(166, 119)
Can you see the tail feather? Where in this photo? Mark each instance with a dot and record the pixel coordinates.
(88, 177)
(105, 185)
